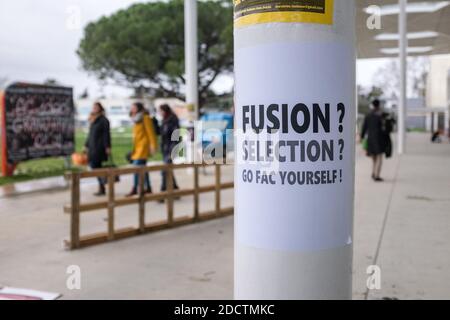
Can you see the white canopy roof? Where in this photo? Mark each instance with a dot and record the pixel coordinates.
(428, 28)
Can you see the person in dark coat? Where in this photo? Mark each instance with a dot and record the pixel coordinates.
(376, 138)
(170, 124)
(98, 143)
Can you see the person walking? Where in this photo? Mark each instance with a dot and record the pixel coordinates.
(98, 143)
(170, 124)
(376, 139)
(144, 144)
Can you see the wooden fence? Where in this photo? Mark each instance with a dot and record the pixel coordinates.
(76, 208)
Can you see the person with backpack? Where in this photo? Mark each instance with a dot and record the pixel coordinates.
(170, 124)
(373, 128)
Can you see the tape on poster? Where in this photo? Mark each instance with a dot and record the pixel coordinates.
(251, 12)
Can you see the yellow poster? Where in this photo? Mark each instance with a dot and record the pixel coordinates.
(250, 12)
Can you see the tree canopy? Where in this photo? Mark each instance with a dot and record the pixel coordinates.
(143, 46)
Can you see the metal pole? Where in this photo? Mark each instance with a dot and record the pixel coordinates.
(429, 122)
(447, 122)
(294, 234)
(191, 54)
(403, 54)
(435, 121)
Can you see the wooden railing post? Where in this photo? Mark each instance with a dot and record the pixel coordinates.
(75, 212)
(196, 193)
(111, 203)
(218, 188)
(169, 184)
(142, 173)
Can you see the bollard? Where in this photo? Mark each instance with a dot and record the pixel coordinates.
(295, 143)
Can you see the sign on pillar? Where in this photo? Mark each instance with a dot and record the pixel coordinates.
(295, 142)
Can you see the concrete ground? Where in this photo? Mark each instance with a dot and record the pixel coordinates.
(401, 225)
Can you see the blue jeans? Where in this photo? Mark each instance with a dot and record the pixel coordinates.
(141, 163)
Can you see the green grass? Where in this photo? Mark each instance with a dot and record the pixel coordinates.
(52, 167)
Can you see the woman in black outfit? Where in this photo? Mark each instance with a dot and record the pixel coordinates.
(170, 124)
(98, 143)
(376, 138)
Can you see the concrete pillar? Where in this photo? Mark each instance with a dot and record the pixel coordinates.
(429, 122)
(403, 45)
(447, 122)
(435, 121)
(294, 94)
(191, 54)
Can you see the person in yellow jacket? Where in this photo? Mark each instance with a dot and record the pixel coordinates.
(145, 143)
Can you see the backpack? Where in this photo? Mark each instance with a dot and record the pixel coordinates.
(156, 126)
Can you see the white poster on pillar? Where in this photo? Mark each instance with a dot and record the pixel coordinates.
(295, 120)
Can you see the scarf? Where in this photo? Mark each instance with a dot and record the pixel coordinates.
(93, 117)
(138, 117)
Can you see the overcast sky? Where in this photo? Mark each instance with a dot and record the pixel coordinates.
(38, 40)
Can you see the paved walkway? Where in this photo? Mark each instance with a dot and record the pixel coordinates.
(402, 225)
(41, 185)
